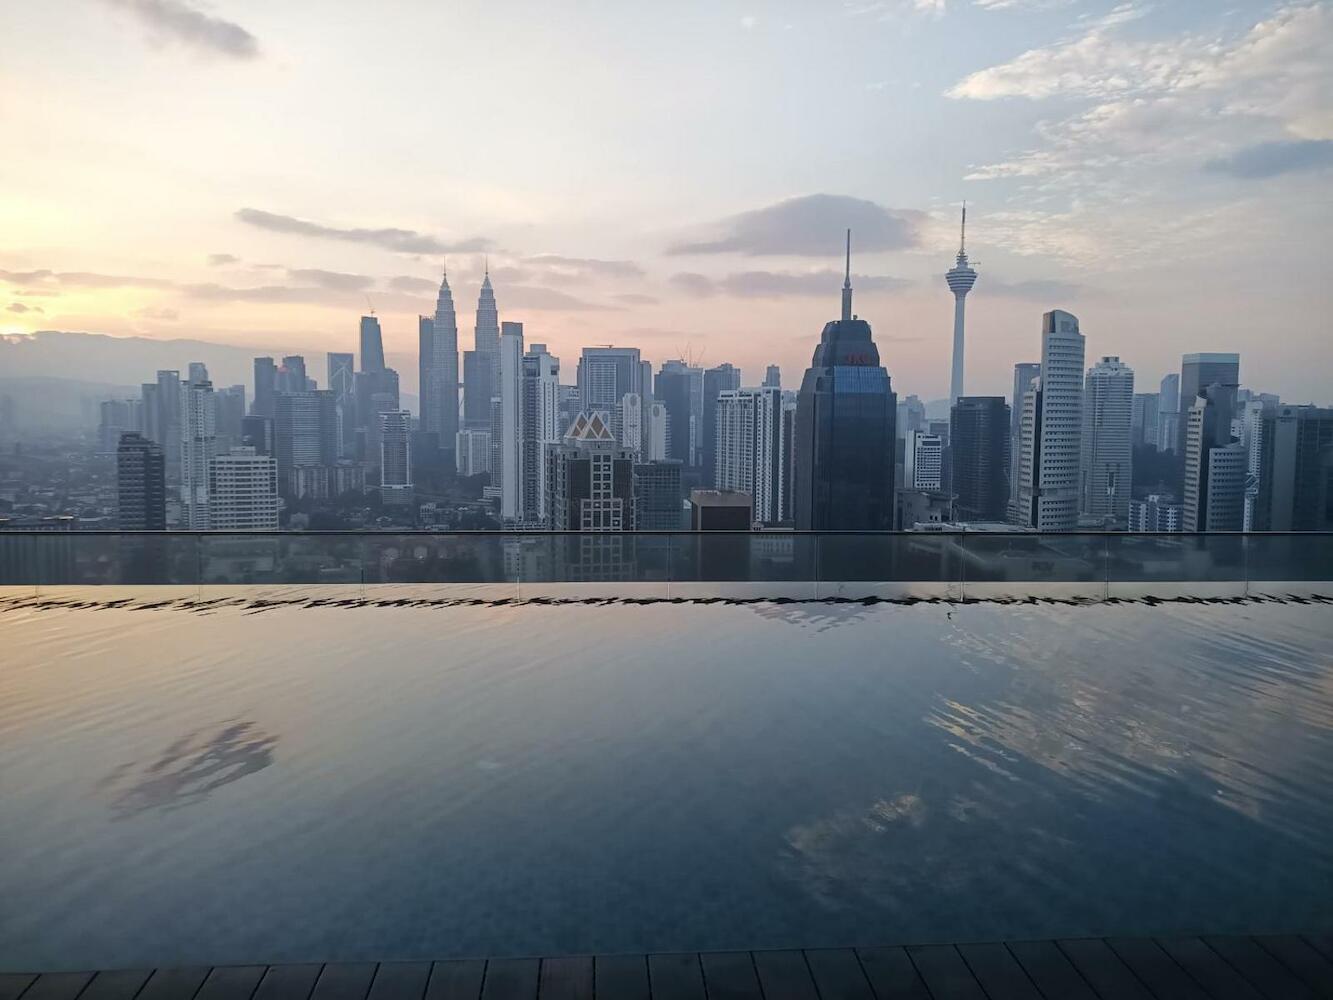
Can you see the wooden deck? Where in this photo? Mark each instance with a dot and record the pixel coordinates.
(1207, 968)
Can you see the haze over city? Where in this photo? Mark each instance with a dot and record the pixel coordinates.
(678, 178)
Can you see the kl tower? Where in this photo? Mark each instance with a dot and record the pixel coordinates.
(960, 278)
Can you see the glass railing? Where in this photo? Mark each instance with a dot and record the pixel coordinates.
(778, 563)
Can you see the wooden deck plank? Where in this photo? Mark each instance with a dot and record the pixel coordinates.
(1265, 973)
(12, 984)
(730, 975)
(945, 973)
(1047, 966)
(234, 982)
(457, 980)
(344, 981)
(838, 974)
(289, 982)
(122, 984)
(783, 975)
(675, 977)
(1206, 967)
(621, 976)
(567, 978)
(400, 981)
(1103, 970)
(892, 975)
(58, 986)
(173, 984)
(998, 972)
(1301, 958)
(511, 979)
(1156, 969)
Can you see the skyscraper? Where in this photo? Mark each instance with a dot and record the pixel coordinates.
(372, 345)
(230, 404)
(342, 383)
(141, 485)
(266, 387)
(1107, 446)
(116, 417)
(539, 428)
(1051, 430)
(773, 377)
(1024, 374)
(1296, 470)
(162, 419)
(679, 388)
(752, 449)
(198, 446)
(439, 392)
(396, 458)
(1168, 414)
(479, 385)
(844, 443)
(243, 491)
(605, 374)
(1197, 373)
(292, 375)
(590, 479)
(979, 457)
(923, 462)
(1214, 495)
(960, 279)
(511, 417)
(306, 433)
(658, 496)
(716, 380)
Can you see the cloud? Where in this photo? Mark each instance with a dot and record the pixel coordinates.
(81, 279)
(335, 280)
(397, 240)
(690, 283)
(635, 299)
(219, 259)
(775, 284)
(1037, 290)
(182, 23)
(158, 313)
(20, 308)
(407, 283)
(591, 265)
(1269, 159)
(262, 293)
(536, 297)
(811, 226)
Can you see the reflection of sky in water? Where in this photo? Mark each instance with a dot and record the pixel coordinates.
(342, 783)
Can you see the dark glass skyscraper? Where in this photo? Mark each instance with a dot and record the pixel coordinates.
(979, 453)
(141, 485)
(845, 417)
(372, 345)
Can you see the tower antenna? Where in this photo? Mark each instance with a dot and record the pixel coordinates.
(370, 305)
(962, 233)
(847, 281)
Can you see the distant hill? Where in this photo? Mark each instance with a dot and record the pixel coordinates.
(76, 368)
(96, 357)
(38, 402)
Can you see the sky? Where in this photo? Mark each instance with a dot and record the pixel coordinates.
(678, 177)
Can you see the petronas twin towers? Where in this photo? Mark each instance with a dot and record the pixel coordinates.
(438, 354)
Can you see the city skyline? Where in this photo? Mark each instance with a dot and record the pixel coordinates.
(270, 238)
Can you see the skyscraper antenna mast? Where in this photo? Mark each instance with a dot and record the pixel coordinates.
(962, 233)
(847, 281)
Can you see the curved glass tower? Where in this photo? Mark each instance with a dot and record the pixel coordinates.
(844, 445)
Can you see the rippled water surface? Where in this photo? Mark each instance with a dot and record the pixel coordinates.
(404, 782)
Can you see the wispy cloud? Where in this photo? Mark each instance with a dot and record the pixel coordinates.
(407, 283)
(1037, 290)
(179, 22)
(1269, 159)
(335, 280)
(810, 226)
(777, 284)
(20, 308)
(81, 279)
(397, 240)
(635, 299)
(590, 265)
(222, 259)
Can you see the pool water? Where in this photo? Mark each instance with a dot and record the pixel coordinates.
(238, 785)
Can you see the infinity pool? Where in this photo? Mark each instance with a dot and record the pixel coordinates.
(338, 783)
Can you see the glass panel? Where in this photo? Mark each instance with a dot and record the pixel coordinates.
(255, 558)
(427, 558)
(916, 557)
(1030, 558)
(64, 558)
(1176, 558)
(1289, 557)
